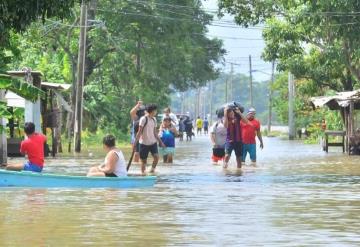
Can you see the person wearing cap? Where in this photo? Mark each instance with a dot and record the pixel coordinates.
(249, 131)
(167, 135)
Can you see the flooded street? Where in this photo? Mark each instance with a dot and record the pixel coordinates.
(296, 196)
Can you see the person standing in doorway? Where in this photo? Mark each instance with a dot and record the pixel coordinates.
(206, 126)
(148, 138)
(249, 131)
(199, 125)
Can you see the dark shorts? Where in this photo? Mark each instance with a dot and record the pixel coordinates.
(236, 146)
(110, 175)
(32, 167)
(219, 152)
(145, 149)
(206, 128)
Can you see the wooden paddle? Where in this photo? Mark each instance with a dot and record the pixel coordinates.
(130, 160)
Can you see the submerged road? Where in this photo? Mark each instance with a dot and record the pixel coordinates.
(296, 196)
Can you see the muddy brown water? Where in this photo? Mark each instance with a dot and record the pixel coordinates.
(296, 196)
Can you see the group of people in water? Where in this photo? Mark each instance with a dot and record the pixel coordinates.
(233, 131)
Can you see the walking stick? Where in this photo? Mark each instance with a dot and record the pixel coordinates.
(130, 160)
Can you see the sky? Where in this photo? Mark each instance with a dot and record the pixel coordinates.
(239, 43)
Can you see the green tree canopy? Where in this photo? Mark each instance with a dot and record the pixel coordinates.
(135, 50)
(316, 40)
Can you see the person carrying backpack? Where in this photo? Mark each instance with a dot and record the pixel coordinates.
(148, 138)
(135, 114)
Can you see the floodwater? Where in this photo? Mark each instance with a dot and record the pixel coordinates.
(296, 196)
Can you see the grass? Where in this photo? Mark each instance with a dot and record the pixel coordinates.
(91, 143)
(273, 133)
(94, 140)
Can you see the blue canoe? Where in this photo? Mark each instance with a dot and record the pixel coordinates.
(46, 180)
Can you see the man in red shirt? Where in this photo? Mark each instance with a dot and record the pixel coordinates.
(33, 147)
(249, 131)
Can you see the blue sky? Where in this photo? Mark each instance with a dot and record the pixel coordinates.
(240, 43)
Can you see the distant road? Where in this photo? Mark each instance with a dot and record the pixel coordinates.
(283, 129)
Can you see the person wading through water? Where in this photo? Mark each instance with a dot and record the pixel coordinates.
(218, 134)
(232, 118)
(199, 125)
(148, 137)
(167, 135)
(136, 113)
(249, 131)
(206, 126)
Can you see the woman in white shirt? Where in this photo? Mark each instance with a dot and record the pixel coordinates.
(114, 164)
(169, 114)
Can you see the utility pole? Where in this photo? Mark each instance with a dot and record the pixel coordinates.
(80, 77)
(270, 97)
(231, 82)
(182, 102)
(197, 112)
(291, 106)
(204, 103)
(211, 99)
(251, 83)
(226, 89)
(3, 141)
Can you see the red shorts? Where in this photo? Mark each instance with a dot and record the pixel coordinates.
(218, 154)
(216, 158)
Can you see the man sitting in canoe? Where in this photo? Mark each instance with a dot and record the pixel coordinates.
(33, 147)
(114, 164)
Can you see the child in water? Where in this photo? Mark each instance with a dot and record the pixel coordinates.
(167, 135)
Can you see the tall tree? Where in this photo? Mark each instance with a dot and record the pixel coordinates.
(142, 49)
(16, 16)
(316, 40)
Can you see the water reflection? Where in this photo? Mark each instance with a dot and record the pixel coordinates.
(296, 196)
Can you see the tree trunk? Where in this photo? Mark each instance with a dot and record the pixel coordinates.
(347, 81)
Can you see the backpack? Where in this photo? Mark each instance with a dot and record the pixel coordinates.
(137, 125)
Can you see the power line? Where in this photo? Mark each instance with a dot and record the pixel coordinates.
(179, 6)
(70, 25)
(229, 37)
(335, 13)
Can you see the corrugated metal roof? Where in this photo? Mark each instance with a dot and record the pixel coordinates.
(15, 100)
(340, 99)
(58, 86)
